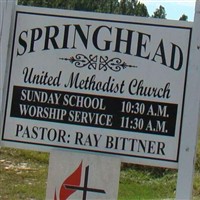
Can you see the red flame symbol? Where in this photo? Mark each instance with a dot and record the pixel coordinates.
(74, 179)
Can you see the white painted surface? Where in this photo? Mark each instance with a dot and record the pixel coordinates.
(147, 127)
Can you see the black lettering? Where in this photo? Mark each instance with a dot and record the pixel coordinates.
(18, 129)
(96, 38)
(34, 135)
(50, 37)
(160, 52)
(176, 48)
(160, 149)
(78, 139)
(109, 142)
(66, 36)
(36, 34)
(143, 38)
(22, 42)
(127, 41)
(84, 38)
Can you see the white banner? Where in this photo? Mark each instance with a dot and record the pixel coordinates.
(97, 83)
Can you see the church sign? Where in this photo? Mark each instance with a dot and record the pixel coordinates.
(99, 83)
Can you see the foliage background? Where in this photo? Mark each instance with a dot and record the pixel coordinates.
(125, 7)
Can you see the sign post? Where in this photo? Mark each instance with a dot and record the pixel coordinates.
(189, 136)
(7, 10)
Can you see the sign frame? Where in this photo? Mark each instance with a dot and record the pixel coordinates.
(137, 159)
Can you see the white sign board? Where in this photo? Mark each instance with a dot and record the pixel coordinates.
(82, 176)
(98, 83)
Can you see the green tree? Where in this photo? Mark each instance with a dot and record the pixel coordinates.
(126, 7)
(132, 7)
(160, 13)
(106, 6)
(141, 10)
(85, 5)
(183, 17)
(40, 3)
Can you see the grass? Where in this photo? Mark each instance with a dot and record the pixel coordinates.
(147, 183)
(23, 176)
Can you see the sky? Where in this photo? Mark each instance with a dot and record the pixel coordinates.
(174, 8)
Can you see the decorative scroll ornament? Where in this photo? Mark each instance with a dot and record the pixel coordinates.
(98, 62)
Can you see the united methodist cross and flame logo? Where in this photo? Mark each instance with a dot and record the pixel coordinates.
(72, 184)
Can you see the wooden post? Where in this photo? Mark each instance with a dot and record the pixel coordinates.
(6, 19)
(191, 114)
